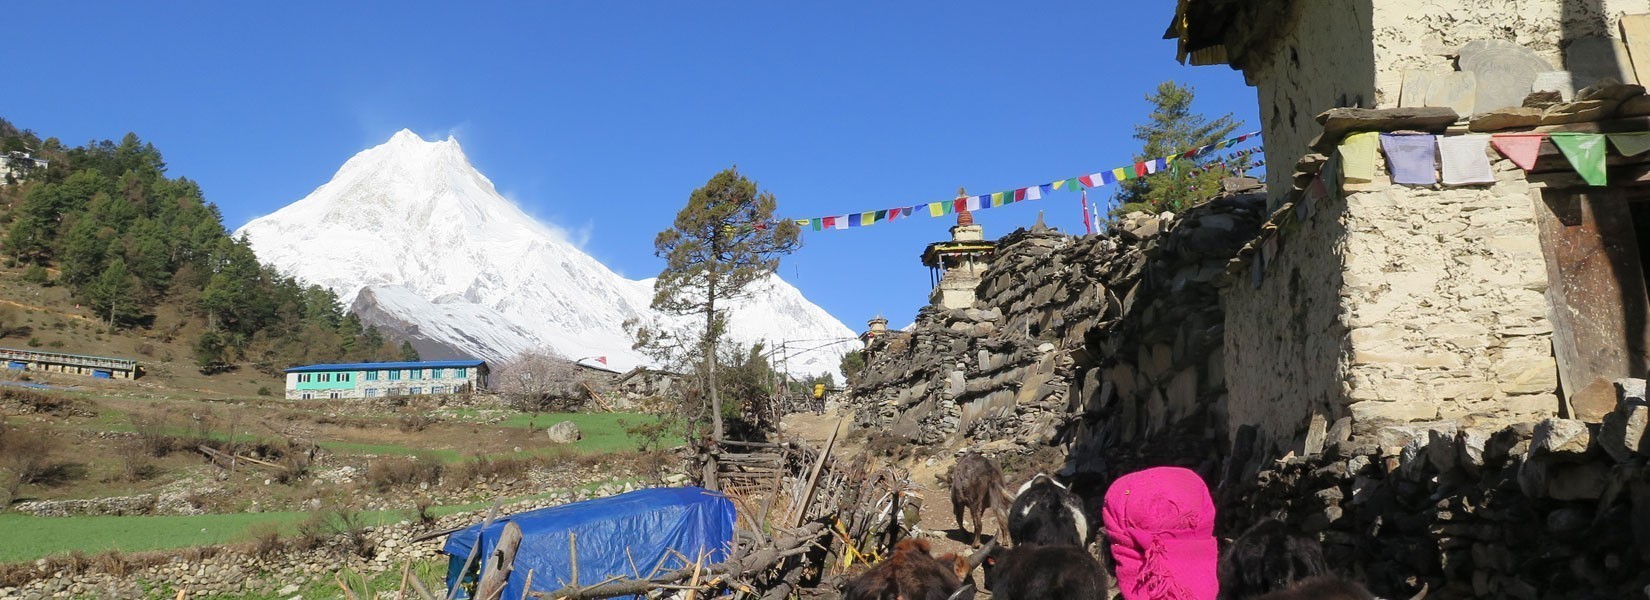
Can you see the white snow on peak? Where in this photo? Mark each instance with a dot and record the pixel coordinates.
(442, 250)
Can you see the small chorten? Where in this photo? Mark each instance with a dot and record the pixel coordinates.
(956, 266)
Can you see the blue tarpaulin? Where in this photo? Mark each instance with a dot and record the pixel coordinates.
(625, 535)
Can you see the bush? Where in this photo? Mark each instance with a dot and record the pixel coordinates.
(264, 391)
(34, 342)
(422, 506)
(415, 422)
(136, 463)
(145, 349)
(481, 468)
(266, 540)
(56, 344)
(153, 438)
(36, 274)
(389, 473)
(27, 455)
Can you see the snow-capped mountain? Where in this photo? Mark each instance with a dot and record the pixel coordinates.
(415, 240)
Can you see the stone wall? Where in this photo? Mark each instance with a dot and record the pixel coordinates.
(1101, 341)
(1403, 303)
(1315, 63)
(1424, 35)
(1554, 509)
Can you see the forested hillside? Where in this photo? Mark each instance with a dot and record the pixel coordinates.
(148, 254)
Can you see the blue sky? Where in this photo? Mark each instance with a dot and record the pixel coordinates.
(601, 117)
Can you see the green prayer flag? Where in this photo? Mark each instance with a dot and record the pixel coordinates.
(816, 223)
(1073, 184)
(1586, 153)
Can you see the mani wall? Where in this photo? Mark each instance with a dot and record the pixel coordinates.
(1100, 342)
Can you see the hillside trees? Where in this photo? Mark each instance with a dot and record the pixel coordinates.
(721, 242)
(128, 240)
(1173, 127)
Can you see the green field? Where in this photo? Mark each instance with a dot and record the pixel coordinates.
(603, 432)
(27, 537)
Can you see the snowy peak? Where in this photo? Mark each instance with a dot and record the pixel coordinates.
(448, 257)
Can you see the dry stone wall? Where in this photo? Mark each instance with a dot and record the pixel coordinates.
(1552, 509)
(1102, 341)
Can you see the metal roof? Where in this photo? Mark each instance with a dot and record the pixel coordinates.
(429, 364)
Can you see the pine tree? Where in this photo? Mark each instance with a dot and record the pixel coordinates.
(112, 294)
(720, 244)
(1173, 127)
(408, 352)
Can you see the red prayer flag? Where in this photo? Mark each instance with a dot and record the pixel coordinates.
(1522, 149)
(1019, 195)
(1087, 226)
(829, 222)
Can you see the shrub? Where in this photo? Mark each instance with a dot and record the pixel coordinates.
(422, 505)
(480, 468)
(264, 391)
(136, 463)
(56, 344)
(415, 422)
(388, 473)
(36, 274)
(352, 526)
(34, 342)
(27, 454)
(146, 349)
(153, 438)
(266, 540)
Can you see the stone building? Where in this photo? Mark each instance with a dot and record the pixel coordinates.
(1422, 303)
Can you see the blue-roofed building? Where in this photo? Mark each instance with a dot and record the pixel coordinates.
(372, 380)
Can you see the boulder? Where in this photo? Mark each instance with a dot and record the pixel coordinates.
(1507, 118)
(1561, 436)
(564, 432)
(1622, 434)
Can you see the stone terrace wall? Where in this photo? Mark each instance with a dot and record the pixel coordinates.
(1556, 509)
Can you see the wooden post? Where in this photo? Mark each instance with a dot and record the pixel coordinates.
(496, 571)
(801, 508)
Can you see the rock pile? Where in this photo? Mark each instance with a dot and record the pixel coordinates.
(1553, 509)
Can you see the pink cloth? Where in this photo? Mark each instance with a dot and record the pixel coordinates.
(1161, 523)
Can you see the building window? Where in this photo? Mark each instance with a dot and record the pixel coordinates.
(416, 391)
(308, 396)
(371, 393)
(372, 376)
(461, 372)
(395, 375)
(439, 389)
(333, 395)
(345, 377)
(439, 373)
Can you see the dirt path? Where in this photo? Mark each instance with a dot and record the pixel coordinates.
(937, 522)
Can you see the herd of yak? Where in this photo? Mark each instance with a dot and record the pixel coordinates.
(1050, 531)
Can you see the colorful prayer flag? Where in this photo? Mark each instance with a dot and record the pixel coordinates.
(1357, 153)
(1521, 148)
(1630, 144)
(1586, 153)
(1412, 158)
(1465, 159)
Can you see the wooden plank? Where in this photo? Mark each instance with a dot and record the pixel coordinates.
(1596, 292)
(496, 570)
(1635, 32)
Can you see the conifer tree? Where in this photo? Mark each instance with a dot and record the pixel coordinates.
(721, 242)
(408, 352)
(113, 295)
(1173, 127)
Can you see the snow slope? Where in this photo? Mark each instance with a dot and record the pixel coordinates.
(411, 236)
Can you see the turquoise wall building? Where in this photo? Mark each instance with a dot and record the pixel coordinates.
(372, 380)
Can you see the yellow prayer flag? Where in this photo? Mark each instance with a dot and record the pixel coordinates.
(935, 209)
(1358, 156)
